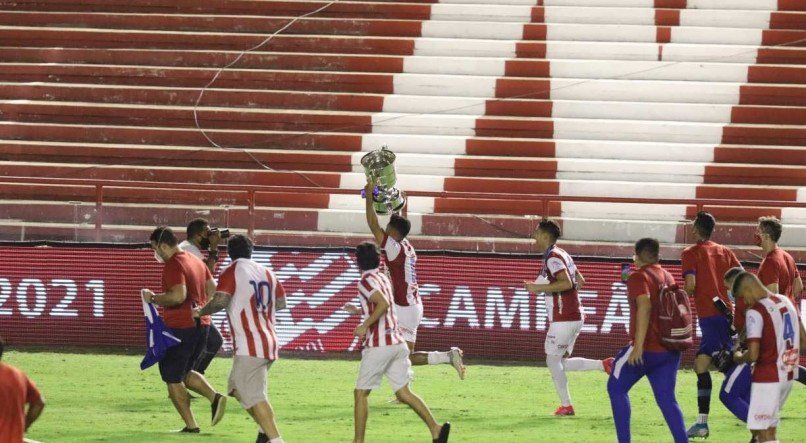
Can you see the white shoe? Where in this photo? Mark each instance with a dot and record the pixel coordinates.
(456, 361)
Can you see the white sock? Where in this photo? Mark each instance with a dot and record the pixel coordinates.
(702, 419)
(260, 429)
(276, 440)
(438, 358)
(582, 364)
(555, 365)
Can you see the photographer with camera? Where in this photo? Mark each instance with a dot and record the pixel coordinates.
(200, 236)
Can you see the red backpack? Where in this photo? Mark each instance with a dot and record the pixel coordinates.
(671, 315)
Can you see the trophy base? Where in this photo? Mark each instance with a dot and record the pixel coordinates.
(389, 207)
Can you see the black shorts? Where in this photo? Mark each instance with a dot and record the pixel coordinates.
(179, 360)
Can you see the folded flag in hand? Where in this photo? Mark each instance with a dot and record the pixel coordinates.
(159, 338)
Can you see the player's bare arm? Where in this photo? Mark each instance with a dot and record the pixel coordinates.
(280, 304)
(381, 306)
(351, 309)
(690, 285)
(563, 283)
(641, 327)
(174, 297)
(580, 280)
(797, 287)
(219, 301)
(748, 356)
(209, 288)
(773, 287)
(34, 411)
(372, 217)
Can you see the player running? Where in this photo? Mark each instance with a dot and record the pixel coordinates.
(564, 312)
(704, 265)
(646, 355)
(400, 259)
(773, 342)
(384, 350)
(251, 295)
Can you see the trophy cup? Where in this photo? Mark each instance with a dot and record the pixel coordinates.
(379, 167)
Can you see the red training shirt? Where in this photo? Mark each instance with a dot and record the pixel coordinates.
(185, 269)
(642, 283)
(16, 391)
(707, 262)
(779, 267)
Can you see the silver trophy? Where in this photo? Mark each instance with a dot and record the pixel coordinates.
(379, 167)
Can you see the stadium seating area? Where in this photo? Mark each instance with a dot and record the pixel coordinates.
(488, 104)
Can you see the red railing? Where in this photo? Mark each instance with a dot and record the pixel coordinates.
(542, 201)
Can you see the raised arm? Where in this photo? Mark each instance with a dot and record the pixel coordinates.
(372, 217)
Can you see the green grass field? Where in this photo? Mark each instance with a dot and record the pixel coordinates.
(107, 398)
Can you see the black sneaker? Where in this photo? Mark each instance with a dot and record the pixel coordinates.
(262, 438)
(443, 433)
(187, 430)
(218, 407)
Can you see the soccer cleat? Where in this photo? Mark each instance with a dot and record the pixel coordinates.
(443, 433)
(395, 401)
(456, 361)
(607, 365)
(218, 407)
(262, 438)
(187, 430)
(699, 430)
(563, 411)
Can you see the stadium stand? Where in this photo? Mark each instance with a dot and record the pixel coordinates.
(620, 117)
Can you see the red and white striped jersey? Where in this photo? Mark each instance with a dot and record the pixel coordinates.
(251, 311)
(383, 332)
(561, 306)
(773, 322)
(401, 266)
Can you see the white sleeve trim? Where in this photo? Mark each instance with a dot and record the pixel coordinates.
(754, 324)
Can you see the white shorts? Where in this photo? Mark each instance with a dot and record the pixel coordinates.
(561, 337)
(766, 401)
(248, 378)
(392, 361)
(408, 320)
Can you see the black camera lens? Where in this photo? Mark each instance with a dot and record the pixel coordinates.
(224, 233)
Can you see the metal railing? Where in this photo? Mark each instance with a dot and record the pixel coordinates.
(250, 192)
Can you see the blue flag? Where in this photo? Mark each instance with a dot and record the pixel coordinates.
(158, 337)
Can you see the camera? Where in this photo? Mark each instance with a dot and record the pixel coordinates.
(223, 233)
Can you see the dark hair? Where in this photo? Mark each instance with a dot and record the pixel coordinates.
(648, 249)
(705, 223)
(239, 246)
(400, 224)
(164, 235)
(771, 226)
(732, 273)
(739, 281)
(196, 226)
(2, 347)
(368, 256)
(551, 227)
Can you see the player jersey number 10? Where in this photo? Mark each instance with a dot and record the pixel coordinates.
(262, 294)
